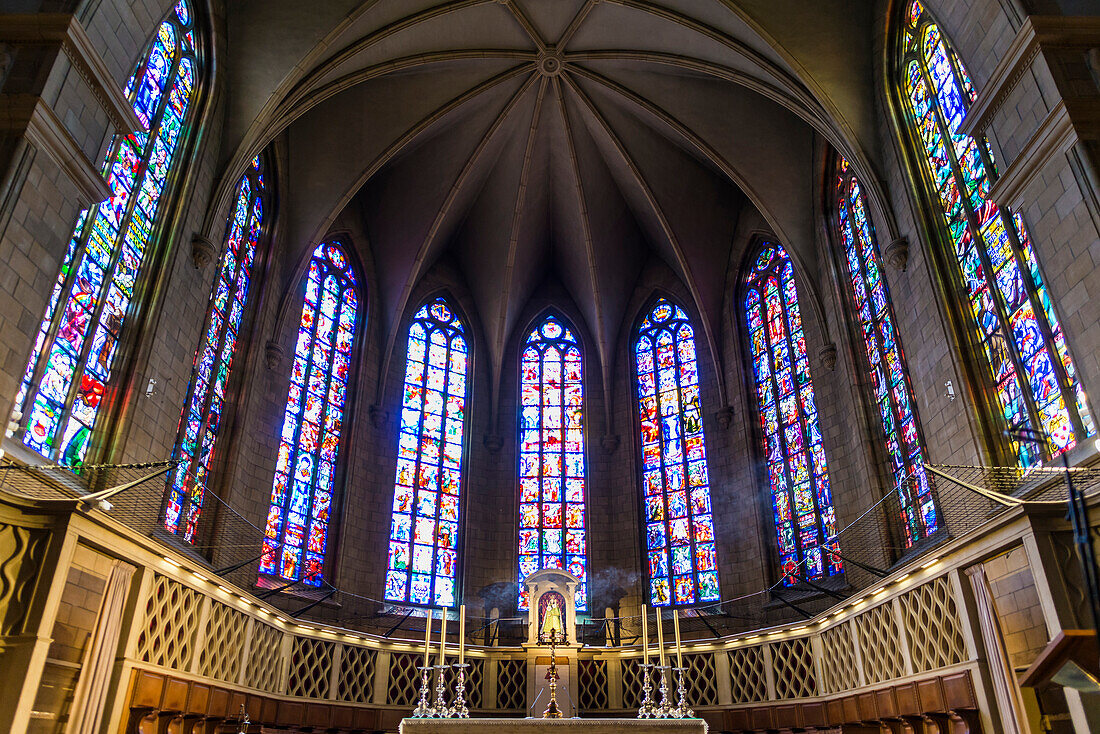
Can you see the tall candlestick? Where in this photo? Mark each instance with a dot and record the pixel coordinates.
(645, 634)
(428, 640)
(461, 634)
(676, 631)
(443, 637)
(660, 638)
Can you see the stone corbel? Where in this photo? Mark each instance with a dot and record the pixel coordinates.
(827, 355)
(377, 415)
(896, 254)
(66, 30)
(724, 417)
(203, 251)
(493, 442)
(609, 443)
(273, 354)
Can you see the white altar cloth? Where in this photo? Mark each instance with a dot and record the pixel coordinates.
(553, 726)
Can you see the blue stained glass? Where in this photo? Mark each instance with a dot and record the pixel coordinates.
(100, 266)
(288, 550)
(551, 455)
(434, 396)
(912, 489)
(184, 494)
(1007, 296)
(670, 418)
(804, 519)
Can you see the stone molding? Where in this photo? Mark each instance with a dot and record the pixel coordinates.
(1055, 136)
(65, 29)
(203, 251)
(1036, 32)
(32, 117)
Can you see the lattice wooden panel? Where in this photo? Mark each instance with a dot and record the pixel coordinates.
(932, 626)
(171, 620)
(265, 662)
(357, 675)
(838, 661)
(512, 684)
(748, 679)
(404, 687)
(592, 685)
(880, 644)
(632, 683)
(310, 667)
(700, 682)
(220, 656)
(793, 662)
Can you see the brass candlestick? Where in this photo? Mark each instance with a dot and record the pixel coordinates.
(552, 711)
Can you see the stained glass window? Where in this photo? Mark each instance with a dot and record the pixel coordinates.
(424, 530)
(683, 563)
(551, 457)
(74, 355)
(201, 417)
(1028, 362)
(885, 360)
(802, 502)
(305, 466)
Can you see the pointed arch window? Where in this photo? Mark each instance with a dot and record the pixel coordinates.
(423, 554)
(888, 372)
(202, 414)
(74, 355)
(1013, 319)
(552, 472)
(802, 502)
(305, 466)
(683, 562)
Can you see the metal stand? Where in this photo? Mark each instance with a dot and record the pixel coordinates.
(665, 709)
(646, 710)
(682, 710)
(423, 710)
(441, 710)
(552, 711)
(459, 709)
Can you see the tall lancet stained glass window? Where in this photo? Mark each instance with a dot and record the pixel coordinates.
(74, 356)
(1029, 364)
(305, 466)
(683, 565)
(202, 414)
(423, 551)
(886, 362)
(805, 522)
(551, 457)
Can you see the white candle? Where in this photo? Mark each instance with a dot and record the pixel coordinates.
(645, 634)
(660, 638)
(443, 637)
(461, 634)
(428, 640)
(676, 631)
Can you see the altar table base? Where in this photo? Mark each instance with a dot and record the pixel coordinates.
(553, 726)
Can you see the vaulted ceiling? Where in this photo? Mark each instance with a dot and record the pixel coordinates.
(530, 140)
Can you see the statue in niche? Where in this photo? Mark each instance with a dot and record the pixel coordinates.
(551, 622)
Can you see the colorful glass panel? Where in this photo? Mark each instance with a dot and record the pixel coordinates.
(305, 466)
(889, 375)
(73, 360)
(201, 417)
(551, 457)
(423, 552)
(1029, 365)
(802, 502)
(683, 562)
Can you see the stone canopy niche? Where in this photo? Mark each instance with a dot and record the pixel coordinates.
(551, 593)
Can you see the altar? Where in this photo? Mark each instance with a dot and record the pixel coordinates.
(553, 726)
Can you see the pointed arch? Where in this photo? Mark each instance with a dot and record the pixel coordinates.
(302, 492)
(1018, 339)
(798, 475)
(552, 459)
(885, 360)
(680, 547)
(200, 422)
(427, 496)
(73, 360)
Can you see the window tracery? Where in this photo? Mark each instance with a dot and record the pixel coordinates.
(423, 551)
(1013, 319)
(552, 471)
(73, 360)
(296, 534)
